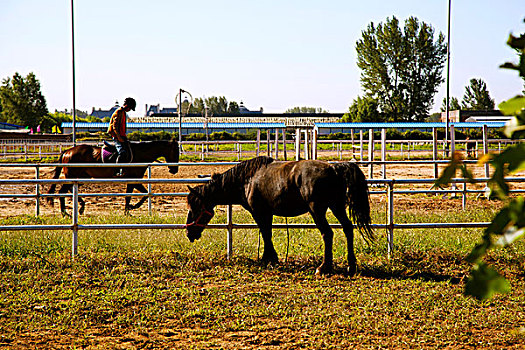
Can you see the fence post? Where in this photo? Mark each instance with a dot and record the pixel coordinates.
(258, 145)
(297, 144)
(229, 242)
(149, 190)
(371, 153)
(284, 145)
(276, 144)
(37, 192)
(435, 152)
(390, 219)
(383, 152)
(268, 143)
(314, 143)
(486, 148)
(74, 216)
(361, 145)
(306, 144)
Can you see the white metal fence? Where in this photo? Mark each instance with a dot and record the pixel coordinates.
(388, 189)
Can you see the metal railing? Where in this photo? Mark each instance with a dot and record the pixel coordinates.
(74, 226)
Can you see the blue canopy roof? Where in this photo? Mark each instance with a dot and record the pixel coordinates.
(176, 125)
(409, 125)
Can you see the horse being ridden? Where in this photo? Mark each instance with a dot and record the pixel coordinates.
(266, 188)
(143, 152)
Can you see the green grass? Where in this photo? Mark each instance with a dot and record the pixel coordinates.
(155, 289)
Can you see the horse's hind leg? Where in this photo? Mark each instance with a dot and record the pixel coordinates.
(340, 214)
(319, 216)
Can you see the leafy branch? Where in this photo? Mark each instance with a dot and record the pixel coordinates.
(509, 224)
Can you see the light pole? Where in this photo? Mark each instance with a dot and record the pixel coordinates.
(447, 111)
(178, 100)
(73, 68)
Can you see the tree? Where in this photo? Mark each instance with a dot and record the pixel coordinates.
(509, 223)
(22, 101)
(233, 107)
(215, 105)
(453, 104)
(363, 110)
(401, 69)
(305, 109)
(477, 96)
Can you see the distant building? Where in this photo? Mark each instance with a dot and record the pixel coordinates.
(155, 109)
(474, 116)
(101, 114)
(244, 110)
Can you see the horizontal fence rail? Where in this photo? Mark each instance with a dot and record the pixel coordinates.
(74, 226)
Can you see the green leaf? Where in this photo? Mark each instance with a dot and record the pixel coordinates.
(449, 172)
(484, 282)
(510, 235)
(500, 222)
(514, 106)
(479, 250)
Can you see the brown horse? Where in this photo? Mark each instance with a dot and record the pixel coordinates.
(143, 152)
(266, 188)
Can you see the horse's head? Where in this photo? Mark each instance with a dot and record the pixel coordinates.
(199, 214)
(172, 156)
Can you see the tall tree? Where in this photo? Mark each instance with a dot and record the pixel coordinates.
(305, 109)
(401, 68)
(363, 110)
(453, 104)
(22, 101)
(477, 96)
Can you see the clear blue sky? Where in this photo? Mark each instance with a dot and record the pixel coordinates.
(274, 54)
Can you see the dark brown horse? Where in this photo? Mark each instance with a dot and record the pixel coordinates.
(143, 152)
(266, 188)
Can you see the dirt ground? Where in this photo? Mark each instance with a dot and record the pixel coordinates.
(164, 205)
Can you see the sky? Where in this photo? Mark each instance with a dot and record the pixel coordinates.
(274, 54)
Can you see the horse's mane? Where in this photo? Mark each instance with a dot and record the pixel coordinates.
(241, 172)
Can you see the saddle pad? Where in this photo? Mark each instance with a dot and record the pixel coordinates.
(106, 155)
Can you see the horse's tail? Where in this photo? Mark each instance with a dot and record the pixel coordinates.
(53, 187)
(357, 197)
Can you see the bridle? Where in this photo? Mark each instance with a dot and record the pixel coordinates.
(196, 221)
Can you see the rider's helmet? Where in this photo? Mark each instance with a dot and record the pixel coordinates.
(130, 102)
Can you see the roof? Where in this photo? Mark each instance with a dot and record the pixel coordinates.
(176, 125)
(409, 125)
(9, 126)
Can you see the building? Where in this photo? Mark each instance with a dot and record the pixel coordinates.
(155, 109)
(101, 114)
(461, 115)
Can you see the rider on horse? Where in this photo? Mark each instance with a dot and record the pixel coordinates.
(117, 130)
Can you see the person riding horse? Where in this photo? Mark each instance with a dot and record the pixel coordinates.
(117, 130)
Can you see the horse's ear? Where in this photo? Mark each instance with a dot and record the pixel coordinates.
(194, 191)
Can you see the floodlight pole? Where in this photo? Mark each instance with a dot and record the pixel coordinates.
(447, 111)
(73, 59)
(179, 110)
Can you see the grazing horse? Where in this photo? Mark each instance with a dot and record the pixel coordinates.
(143, 152)
(266, 188)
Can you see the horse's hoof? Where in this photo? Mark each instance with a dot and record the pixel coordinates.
(351, 270)
(323, 270)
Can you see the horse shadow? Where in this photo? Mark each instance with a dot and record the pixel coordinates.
(403, 268)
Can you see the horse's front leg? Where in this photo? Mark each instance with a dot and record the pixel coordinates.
(265, 227)
(141, 189)
(127, 206)
(63, 190)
